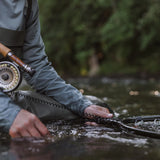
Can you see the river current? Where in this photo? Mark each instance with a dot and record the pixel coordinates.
(73, 140)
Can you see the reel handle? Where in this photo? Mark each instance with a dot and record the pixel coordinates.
(6, 52)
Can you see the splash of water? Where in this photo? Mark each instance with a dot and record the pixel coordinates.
(150, 125)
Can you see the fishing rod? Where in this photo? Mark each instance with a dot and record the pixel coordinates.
(11, 76)
(10, 70)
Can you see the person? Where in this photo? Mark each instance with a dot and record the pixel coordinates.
(20, 31)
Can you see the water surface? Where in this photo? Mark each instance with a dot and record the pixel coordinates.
(72, 140)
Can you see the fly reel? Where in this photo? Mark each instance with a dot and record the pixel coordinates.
(10, 76)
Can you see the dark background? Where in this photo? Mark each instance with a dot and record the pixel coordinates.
(102, 37)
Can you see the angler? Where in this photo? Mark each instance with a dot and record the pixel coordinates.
(21, 112)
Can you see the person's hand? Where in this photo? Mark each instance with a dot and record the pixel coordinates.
(27, 124)
(96, 111)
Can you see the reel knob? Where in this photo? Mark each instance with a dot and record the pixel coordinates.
(5, 77)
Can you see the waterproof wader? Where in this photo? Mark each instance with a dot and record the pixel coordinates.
(42, 106)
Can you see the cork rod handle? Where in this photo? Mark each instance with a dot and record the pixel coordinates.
(4, 50)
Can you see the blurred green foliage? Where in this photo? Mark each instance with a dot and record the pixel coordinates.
(123, 34)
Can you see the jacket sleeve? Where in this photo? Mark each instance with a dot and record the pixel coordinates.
(46, 80)
(8, 112)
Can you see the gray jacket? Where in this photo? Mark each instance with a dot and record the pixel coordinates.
(45, 80)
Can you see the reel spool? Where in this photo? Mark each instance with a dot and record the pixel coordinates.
(10, 76)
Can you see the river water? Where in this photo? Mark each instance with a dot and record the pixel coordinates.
(73, 140)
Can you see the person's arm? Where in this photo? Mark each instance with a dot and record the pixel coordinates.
(18, 122)
(46, 80)
(8, 112)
